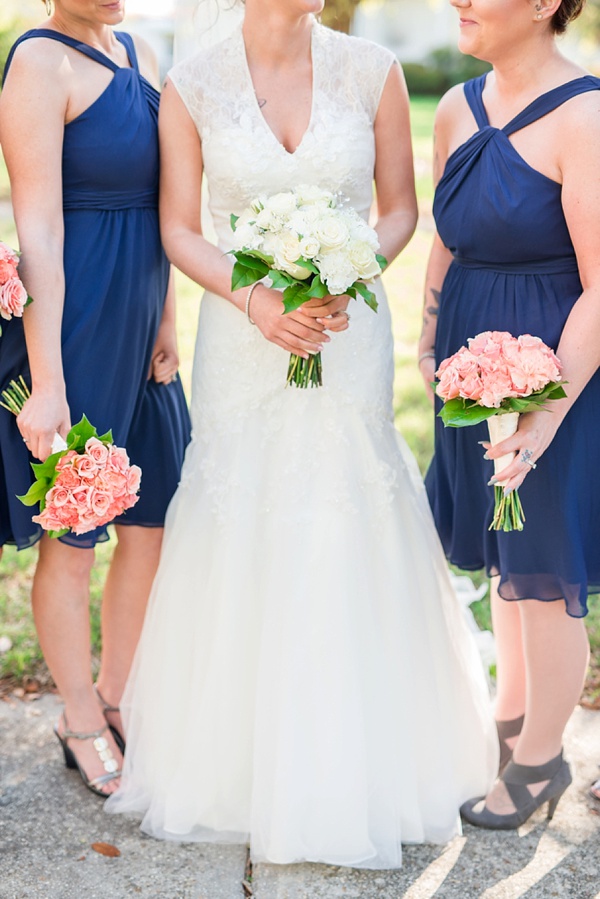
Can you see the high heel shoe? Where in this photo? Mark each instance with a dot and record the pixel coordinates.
(117, 735)
(104, 753)
(506, 730)
(516, 778)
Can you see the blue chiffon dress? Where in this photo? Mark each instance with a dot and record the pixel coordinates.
(514, 269)
(116, 277)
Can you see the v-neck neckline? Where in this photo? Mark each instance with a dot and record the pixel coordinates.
(253, 98)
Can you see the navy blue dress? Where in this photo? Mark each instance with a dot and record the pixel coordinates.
(514, 269)
(116, 276)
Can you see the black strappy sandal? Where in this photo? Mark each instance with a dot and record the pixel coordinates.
(101, 746)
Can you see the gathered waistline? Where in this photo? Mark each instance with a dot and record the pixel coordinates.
(557, 266)
(110, 201)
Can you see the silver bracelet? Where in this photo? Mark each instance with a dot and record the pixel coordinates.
(248, 298)
(428, 355)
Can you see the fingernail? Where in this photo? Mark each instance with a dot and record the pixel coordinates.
(485, 456)
(492, 482)
(508, 491)
(482, 442)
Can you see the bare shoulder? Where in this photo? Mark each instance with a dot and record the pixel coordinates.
(452, 106)
(580, 116)
(37, 58)
(147, 59)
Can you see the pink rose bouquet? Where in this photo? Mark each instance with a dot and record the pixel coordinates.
(495, 379)
(13, 296)
(85, 483)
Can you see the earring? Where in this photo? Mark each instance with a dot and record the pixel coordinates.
(539, 16)
(48, 7)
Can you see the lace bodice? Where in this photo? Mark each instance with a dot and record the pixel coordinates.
(242, 156)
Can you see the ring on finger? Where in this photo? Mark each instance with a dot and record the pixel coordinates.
(526, 456)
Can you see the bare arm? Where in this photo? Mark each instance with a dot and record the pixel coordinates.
(394, 169)
(439, 258)
(31, 132)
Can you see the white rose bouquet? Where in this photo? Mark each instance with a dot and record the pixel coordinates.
(310, 248)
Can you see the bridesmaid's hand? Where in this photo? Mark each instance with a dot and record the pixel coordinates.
(165, 357)
(295, 332)
(329, 312)
(533, 437)
(427, 368)
(43, 415)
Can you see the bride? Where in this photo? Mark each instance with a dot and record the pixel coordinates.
(305, 680)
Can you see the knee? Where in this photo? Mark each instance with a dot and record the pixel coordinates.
(60, 560)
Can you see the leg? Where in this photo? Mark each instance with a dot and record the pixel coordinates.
(510, 672)
(556, 657)
(510, 667)
(124, 601)
(60, 599)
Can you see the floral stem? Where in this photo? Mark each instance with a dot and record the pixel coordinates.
(305, 372)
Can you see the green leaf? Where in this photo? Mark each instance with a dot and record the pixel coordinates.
(307, 263)
(459, 413)
(367, 295)
(107, 438)
(243, 276)
(295, 296)
(233, 220)
(317, 289)
(60, 533)
(80, 434)
(36, 493)
(383, 263)
(280, 280)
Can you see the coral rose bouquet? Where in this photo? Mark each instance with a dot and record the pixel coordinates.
(85, 483)
(13, 296)
(495, 379)
(310, 247)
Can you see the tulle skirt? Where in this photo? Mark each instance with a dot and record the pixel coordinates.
(305, 680)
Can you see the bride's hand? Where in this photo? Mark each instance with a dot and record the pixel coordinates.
(295, 332)
(329, 312)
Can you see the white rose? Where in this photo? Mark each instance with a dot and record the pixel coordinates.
(246, 237)
(309, 195)
(281, 204)
(331, 232)
(360, 230)
(266, 220)
(286, 250)
(337, 272)
(363, 259)
(309, 247)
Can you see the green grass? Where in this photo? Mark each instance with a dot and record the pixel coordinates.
(403, 281)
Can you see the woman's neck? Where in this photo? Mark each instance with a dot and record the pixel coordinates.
(96, 35)
(529, 71)
(288, 39)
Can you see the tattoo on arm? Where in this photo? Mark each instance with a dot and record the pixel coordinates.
(431, 310)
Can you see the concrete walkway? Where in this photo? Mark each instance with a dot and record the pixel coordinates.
(48, 821)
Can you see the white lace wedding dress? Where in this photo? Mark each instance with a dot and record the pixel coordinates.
(305, 680)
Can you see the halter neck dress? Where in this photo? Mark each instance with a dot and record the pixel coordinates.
(116, 277)
(514, 269)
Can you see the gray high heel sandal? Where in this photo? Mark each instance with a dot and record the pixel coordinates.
(506, 730)
(117, 735)
(101, 746)
(517, 778)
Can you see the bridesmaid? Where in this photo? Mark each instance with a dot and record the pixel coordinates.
(524, 141)
(78, 126)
